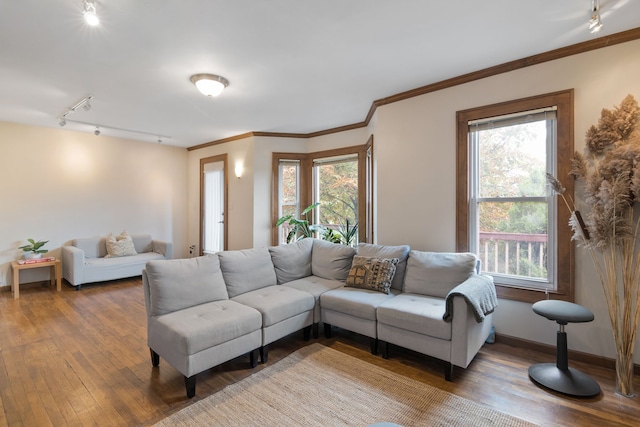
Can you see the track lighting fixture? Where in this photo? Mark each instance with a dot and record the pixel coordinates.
(209, 84)
(97, 130)
(595, 24)
(84, 103)
(89, 12)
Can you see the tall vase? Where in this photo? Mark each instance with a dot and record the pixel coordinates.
(624, 374)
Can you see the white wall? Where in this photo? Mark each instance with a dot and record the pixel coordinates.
(415, 144)
(58, 185)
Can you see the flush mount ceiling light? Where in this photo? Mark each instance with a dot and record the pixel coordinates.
(595, 24)
(209, 84)
(89, 12)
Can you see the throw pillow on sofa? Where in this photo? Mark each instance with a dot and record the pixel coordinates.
(331, 260)
(200, 278)
(374, 274)
(292, 261)
(436, 273)
(121, 245)
(382, 251)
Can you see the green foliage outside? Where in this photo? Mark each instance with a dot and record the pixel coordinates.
(511, 167)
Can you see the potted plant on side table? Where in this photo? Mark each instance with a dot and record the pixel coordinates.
(34, 249)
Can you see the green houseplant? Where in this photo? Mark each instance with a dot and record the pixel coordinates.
(299, 228)
(34, 248)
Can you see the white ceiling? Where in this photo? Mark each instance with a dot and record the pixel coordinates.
(294, 66)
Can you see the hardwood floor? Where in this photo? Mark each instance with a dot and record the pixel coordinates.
(80, 358)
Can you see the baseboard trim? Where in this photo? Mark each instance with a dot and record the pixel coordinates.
(575, 355)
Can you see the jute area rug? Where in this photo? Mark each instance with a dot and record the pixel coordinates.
(319, 386)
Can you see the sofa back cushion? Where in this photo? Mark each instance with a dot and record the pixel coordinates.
(436, 273)
(247, 270)
(142, 242)
(93, 247)
(381, 251)
(331, 260)
(96, 247)
(181, 283)
(292, 261)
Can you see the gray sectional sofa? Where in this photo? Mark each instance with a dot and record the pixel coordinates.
(207, 310)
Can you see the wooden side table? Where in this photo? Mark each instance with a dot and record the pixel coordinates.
(56, 276)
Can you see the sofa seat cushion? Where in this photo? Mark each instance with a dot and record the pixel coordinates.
(355, 302)
(416, 313)
(110, 263)
(203, 326)
(314, 285)
(277, 303)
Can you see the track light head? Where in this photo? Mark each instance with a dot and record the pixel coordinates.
(87, 106)
(89, 12)
(595, 24)
(62, 122)
(97, 131)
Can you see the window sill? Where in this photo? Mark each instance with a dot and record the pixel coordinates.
(530, 295)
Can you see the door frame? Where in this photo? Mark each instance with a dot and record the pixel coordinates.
(203, 162)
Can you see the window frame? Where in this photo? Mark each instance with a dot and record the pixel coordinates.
(563, 100)
(365, 188)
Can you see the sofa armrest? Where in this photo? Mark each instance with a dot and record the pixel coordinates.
(73, 265)
(164, 248)
(467, 335)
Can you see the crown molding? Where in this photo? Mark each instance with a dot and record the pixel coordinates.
(563, 52)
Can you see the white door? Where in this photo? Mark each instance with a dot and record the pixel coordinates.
(213, 204)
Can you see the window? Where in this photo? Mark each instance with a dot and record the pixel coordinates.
(335, 184)
(340, 179)
(508, 216)
(289, 193)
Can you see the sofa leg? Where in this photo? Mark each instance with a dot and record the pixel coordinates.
(316, 330)
(373, 343)
(190, 384)
(155, 358)
(448, 371)
(385, 350)
(253, 358)
(264, 353)
(306, 333)
(78, 287)
(327, 330)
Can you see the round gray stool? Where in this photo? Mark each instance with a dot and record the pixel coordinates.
(559, 376)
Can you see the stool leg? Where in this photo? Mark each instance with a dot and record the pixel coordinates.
(562, 356)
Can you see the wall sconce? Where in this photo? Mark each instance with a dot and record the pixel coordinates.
(239, 169)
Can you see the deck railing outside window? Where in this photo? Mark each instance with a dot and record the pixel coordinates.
(514, 253)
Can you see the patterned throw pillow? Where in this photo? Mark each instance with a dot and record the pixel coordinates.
(121, 245)
(374, 274)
